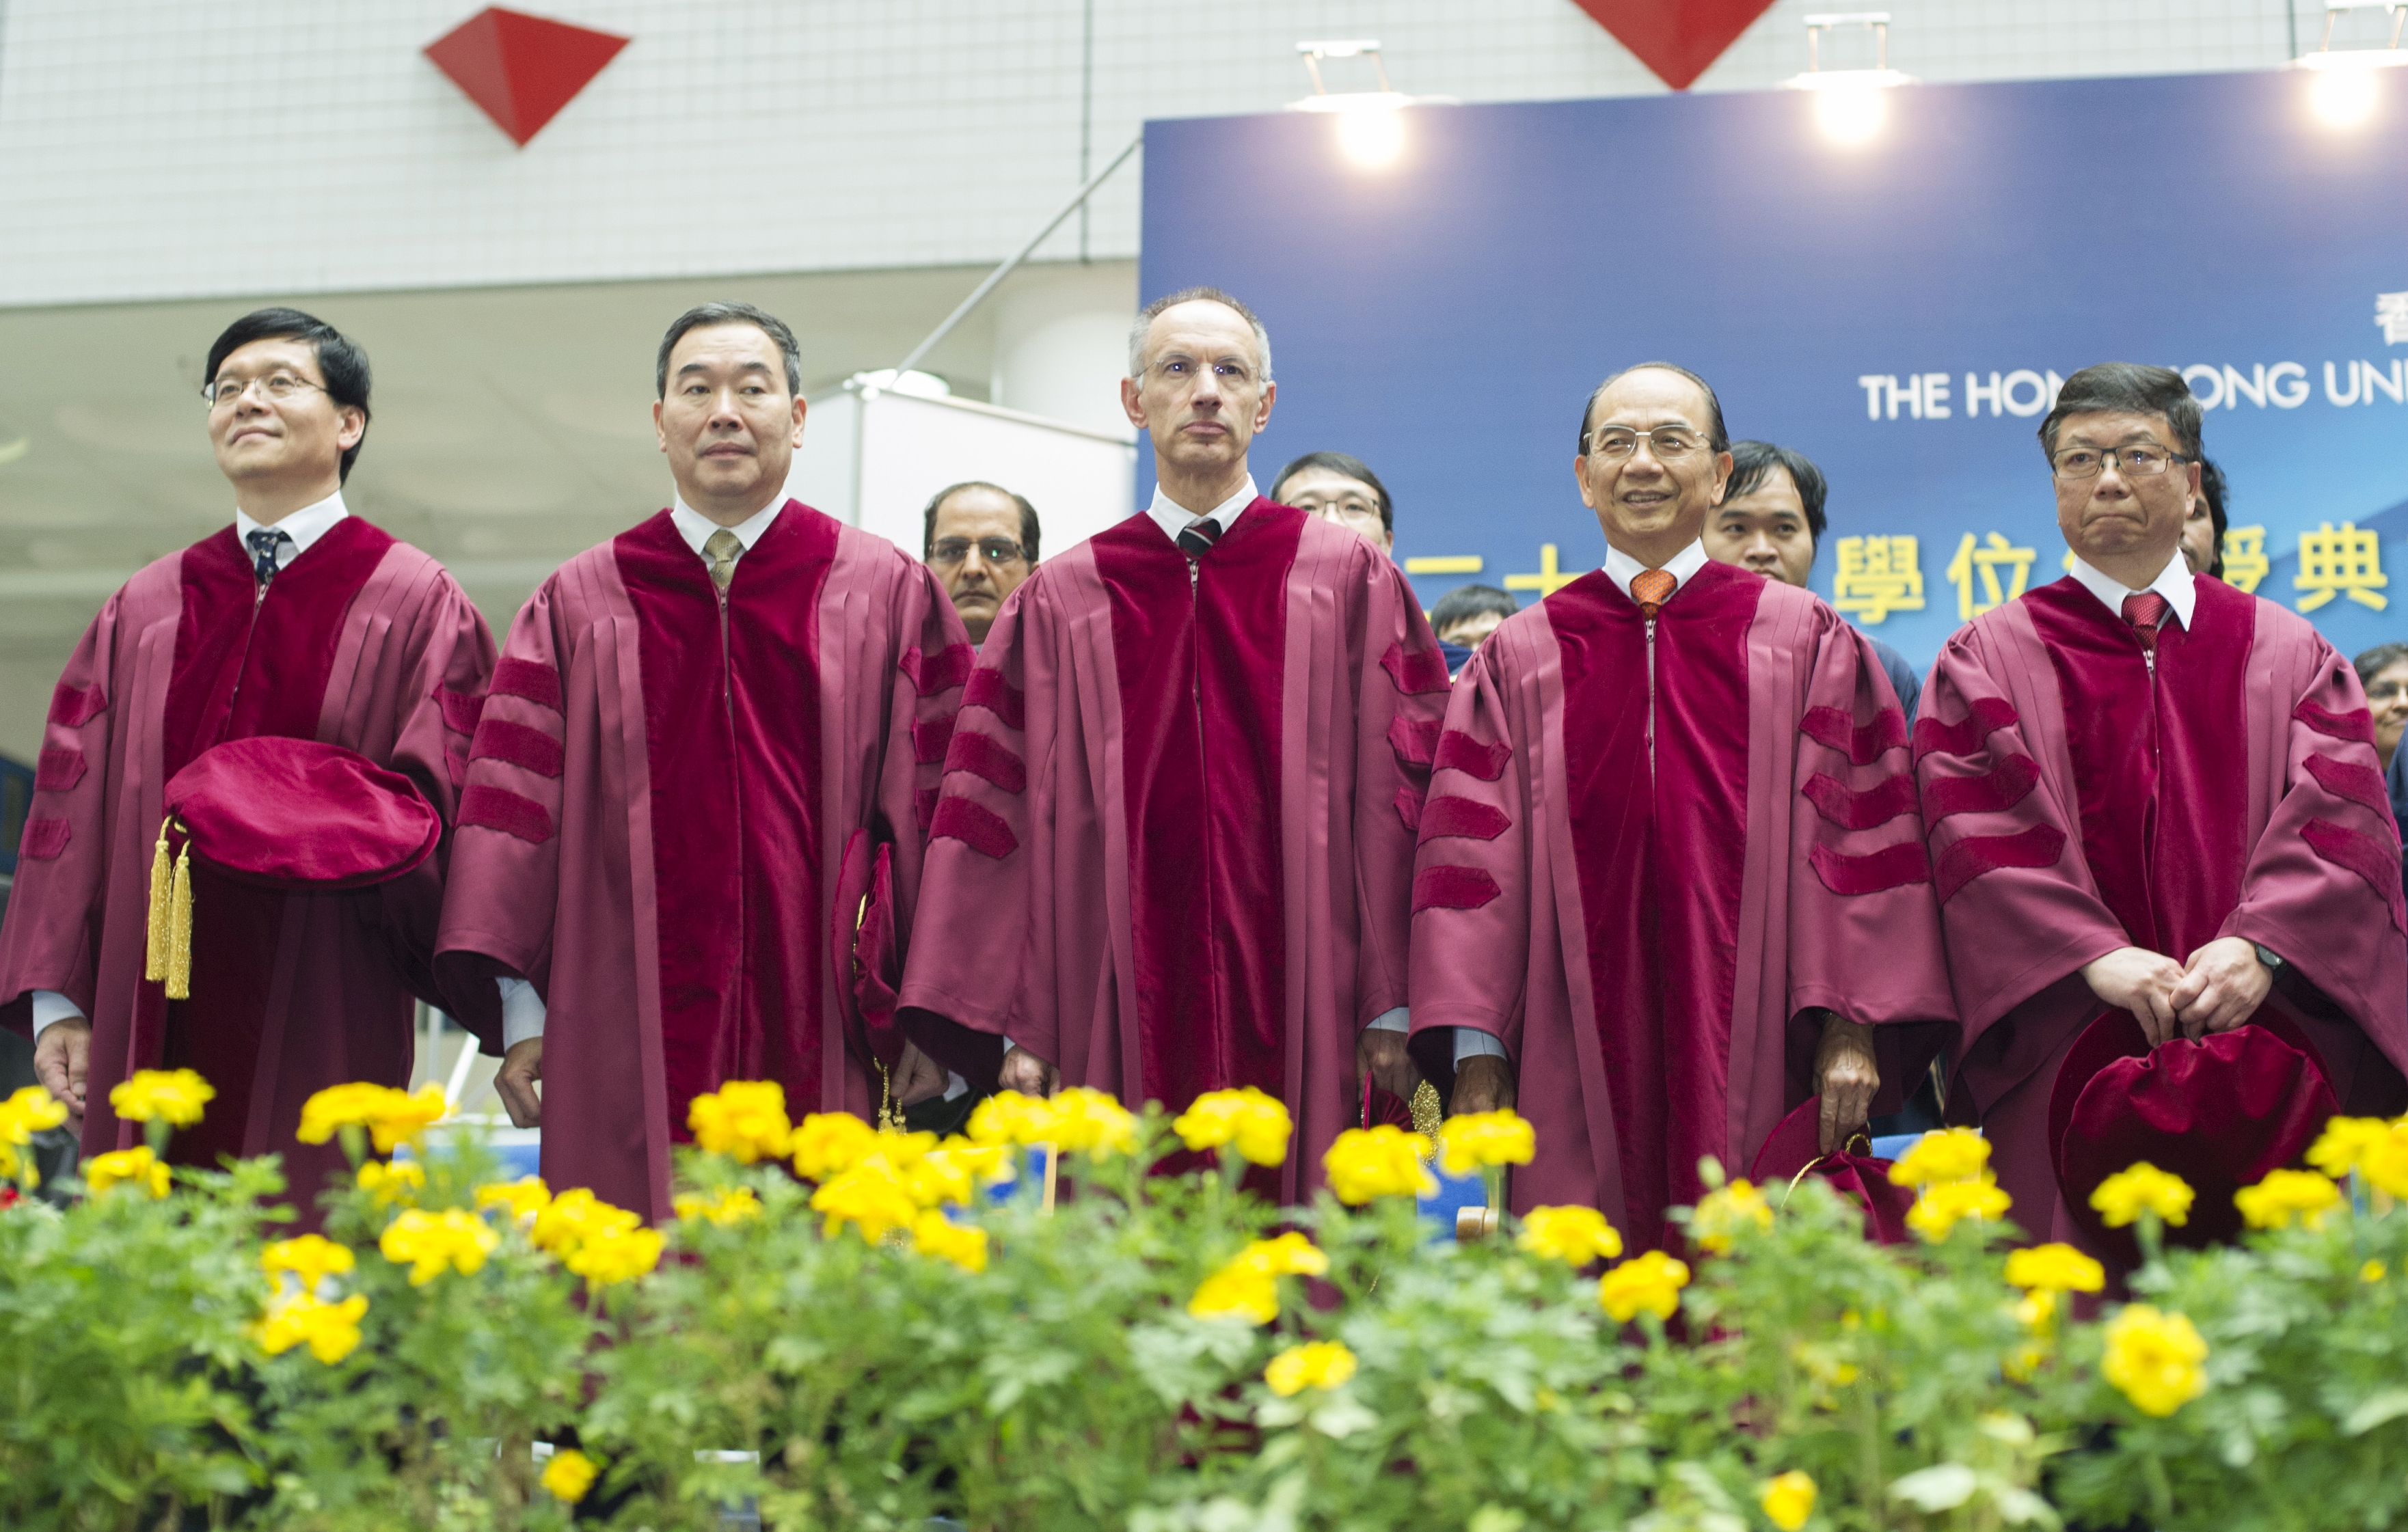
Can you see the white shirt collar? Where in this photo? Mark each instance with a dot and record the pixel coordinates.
(1173, 518)
(304, 526)
(1620, 567)
(697, 528)
(2173, 583)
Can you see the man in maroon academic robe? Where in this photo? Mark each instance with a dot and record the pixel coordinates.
(1176, 833)
(300, 620)
(1670, 860)
(2147, 791)
(694, 785)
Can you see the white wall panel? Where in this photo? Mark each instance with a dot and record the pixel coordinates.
(163, 149)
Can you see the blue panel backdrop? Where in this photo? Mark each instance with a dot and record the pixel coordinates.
(1898, 311)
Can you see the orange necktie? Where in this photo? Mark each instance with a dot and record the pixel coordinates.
(1651, 589)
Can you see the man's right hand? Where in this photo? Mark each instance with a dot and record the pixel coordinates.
(62, 1057)
(1481, 1085)
(2142, 981)
(515, 1081)
(1025, 1072)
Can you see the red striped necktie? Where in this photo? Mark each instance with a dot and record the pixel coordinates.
(1196, 538)
(2146, 611)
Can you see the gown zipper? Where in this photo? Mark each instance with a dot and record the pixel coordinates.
(1651, 703)
(727, 713)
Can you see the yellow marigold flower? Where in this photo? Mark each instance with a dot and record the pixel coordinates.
(1384, 1161)
(2055, 1268)
(2342, 1146)
(732, 1206)
(1478, 1140)
(1941, 1207)
(2037, 1309)
(964, 1244)
(2385, 1165)
(829, 1143)
(1722, 1213)
(311, 1257)
(137, 1166)
(1652, 1281)
(2156, 1359)
(403, 1117)
(1957, 1153)
(1316, 1364)
(1289, 1256)
(2373, 1271)
(744, 1119)
(1257, 1125)
(2124, 1197)
(1247, 1287)
(1090, 1122)
(2286, 1194)
(1008, 1117)
(392, 1117)
(174, 1097)
(873, 1196)
(524, 1198)
(28, 1110)
(959, 1162)
(569, 1475)
(619, 1256)
(399, 1180)
(330, 1330)
(576, 1216)
(1574, 1236)
(455, 1240)
(1788, 1500)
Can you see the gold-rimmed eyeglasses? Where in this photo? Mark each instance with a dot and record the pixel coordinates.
(278, 386)
(2142, 460)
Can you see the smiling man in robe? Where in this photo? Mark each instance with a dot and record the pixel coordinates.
(1670, 858)
(1176, 834)
(690, 840)
(2151, 792)
(302, 621)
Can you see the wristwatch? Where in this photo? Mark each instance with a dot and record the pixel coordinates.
(2273, 959)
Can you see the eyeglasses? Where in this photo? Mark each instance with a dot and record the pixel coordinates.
(2145, 461)
(1350, 506)
(951, 551)
(1669, 444)
(278, 386)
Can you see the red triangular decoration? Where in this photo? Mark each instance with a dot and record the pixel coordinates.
(1678, 39)
(521, 69)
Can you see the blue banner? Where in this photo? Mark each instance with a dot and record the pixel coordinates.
(1900, 308)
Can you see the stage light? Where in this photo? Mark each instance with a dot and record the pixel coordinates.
(1371, 139)
(2344, 98)
(2346, 88)
(1851, 106)
(1370, 124)
(915, 383)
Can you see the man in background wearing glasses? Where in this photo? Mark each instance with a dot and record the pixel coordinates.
(1670, 858)
(2151, 795)
(300, 620)
(981, 541)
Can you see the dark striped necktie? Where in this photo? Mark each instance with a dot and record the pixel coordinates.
(2146, 611)
(265, 544)
(1197, 539)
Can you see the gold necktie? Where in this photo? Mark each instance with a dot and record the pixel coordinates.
(1651, 589)
(720, 550)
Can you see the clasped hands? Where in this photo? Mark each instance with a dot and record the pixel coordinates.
(2220, 987)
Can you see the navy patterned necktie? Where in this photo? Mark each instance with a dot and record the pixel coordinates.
(264, 545)
(1197, 539)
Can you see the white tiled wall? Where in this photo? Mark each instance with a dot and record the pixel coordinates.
(154, 149)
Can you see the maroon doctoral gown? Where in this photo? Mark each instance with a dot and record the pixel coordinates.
(363, 642)
(1175, 839)
(2081, 800)
(662, 799)
(1646, 934)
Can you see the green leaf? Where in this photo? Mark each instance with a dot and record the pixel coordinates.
(1942, 1487)
(2387, 1405)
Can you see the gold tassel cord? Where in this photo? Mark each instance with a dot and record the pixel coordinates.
(180, 929)
(154, 957)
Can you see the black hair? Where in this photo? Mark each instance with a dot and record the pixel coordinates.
(2376, 661)
(1470, 601)
(1716, 437)
(762, 319)
(1349, 466)
(1027, 517)
(2129, 387)
(2212, 490)
(339, 358)
(1752, 464)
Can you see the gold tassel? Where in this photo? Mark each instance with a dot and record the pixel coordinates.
(154, 957)
(180, 929)
(890, 1118)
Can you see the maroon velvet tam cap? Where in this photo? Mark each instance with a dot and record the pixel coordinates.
(1862, 1178)
(299, 815)
(2220, 1113)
